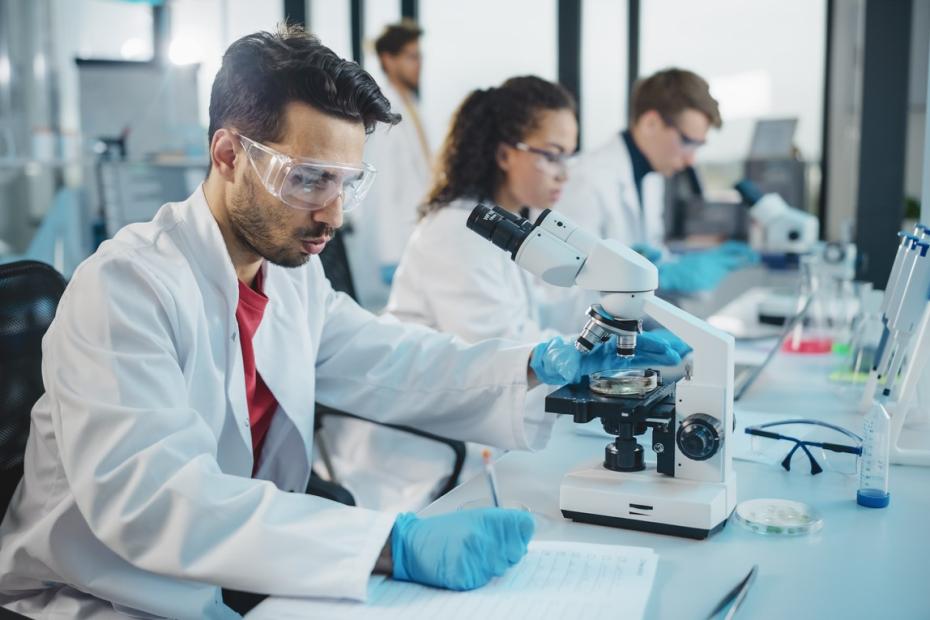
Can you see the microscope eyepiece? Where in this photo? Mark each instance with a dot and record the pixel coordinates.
(504, 229)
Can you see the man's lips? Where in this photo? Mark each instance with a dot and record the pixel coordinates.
(314, 246)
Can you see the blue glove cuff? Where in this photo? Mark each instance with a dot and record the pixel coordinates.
(401, 527)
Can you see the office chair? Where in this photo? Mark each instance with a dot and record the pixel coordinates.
(29, 294)
(336, 266)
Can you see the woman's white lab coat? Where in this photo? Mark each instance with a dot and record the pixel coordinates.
(601, 196)
(138, 494)
(383, 224)
(455, 281)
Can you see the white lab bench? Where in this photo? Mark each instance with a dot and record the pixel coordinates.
(864, 563)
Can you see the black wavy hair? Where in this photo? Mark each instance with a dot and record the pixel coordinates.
(264, 71)
(487, 118)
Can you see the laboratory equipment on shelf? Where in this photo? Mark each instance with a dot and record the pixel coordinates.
(902, 369)
(691, 490)
(876, 448)
(777, 227)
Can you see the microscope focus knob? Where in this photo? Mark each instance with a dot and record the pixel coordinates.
(699, 436)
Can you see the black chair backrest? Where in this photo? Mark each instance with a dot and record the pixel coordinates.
(29, 294)
(336, 265)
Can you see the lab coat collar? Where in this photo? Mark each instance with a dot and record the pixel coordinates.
(641, 165)
(208, 245)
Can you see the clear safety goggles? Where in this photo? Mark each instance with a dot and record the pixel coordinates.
(825, 446)
(556, 164)
(688, 143)
(307, 184)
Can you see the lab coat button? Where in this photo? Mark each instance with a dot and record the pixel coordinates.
(234, 334)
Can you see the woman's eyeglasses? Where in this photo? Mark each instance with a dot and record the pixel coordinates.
(554, 163)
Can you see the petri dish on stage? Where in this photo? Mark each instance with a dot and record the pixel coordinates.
(778, 517)
(630, 382)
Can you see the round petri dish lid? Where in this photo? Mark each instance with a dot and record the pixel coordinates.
(778, 517)
(629, 382)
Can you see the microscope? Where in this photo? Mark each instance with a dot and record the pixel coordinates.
(691, 490)
(778, 227)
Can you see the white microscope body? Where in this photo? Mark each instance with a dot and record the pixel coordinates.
(694, 497)
(776, 226)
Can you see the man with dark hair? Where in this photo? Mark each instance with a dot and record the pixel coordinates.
(402, 155)
(618, 190)
(169, 455)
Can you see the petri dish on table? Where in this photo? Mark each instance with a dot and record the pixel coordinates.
(778, 517)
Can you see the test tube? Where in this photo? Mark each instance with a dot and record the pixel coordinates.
(876, 456)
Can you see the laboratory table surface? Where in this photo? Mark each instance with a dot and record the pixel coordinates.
(863, 563)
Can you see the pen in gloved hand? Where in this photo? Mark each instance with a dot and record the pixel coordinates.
(492, 480)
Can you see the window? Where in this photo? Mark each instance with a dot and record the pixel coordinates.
(477, 44)
(100, 40)
(763, 59)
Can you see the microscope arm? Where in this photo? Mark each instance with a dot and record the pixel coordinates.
(711, 360)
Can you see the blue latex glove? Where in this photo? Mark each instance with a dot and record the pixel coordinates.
(459, 550)
(735, 254)
(703, 271)
(558, 362)
(693, 273)
(387, 273)
(653, 254)
(678, 345)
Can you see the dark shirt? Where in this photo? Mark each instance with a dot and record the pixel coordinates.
(641, 165)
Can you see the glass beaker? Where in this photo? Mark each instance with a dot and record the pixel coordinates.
(811, 334)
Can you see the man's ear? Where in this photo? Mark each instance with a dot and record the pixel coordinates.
(651, 120)
(223, 153)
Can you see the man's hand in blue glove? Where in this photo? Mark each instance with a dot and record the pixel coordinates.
(735, 254)
(460, 550)
(558, 362)
(654, 255)
(703, 271)
(387, 273)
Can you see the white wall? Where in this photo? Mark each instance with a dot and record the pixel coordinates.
(764, 59)
(477, 44)
(331, 21)
(604, 58)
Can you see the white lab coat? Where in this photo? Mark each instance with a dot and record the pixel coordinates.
(455, 281)
(384, 222)
(601, 197)
(137, 494)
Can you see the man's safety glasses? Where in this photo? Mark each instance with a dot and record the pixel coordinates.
(687, 143)
(307, 184)
(827, 446)
(556, 164)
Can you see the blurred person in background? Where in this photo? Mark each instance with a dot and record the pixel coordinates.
(402, 156)
(618, 191)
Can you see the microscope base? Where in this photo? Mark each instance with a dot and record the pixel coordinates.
(646, 501)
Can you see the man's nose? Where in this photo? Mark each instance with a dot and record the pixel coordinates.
(331, 214)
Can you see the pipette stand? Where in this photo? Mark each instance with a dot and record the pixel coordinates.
(908, 408)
